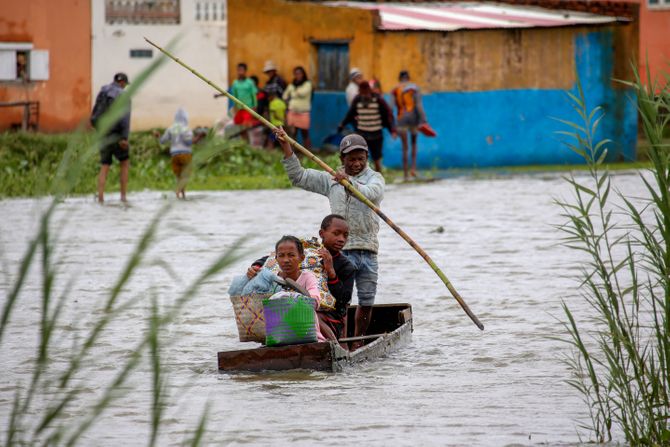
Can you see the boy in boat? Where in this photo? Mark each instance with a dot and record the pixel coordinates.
(362, 245)
(334, 233)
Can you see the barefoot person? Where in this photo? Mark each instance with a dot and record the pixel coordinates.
(369, 115)
(115, 142)
(407, 98)
(362, 245)
(181, 140)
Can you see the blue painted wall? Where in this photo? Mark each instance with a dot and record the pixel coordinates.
(510, 127)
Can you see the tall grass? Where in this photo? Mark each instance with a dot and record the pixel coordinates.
(620, 356)
(28, 163)
(44, 407)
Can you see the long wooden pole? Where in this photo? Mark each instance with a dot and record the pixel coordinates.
(344, 183)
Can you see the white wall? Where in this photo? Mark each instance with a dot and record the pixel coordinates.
(203, 46)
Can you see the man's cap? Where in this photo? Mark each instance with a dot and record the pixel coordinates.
(121, 77)
(269, 66)
(355, 72)
(352, 142)
(404, 74)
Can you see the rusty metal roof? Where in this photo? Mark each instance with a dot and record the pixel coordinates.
(472, 15)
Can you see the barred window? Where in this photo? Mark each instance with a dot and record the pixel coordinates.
(210, 11)
(142, 53)
(159, 12)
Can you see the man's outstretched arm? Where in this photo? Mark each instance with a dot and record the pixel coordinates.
(307, 179)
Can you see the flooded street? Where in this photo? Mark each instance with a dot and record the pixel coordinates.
(453, 385)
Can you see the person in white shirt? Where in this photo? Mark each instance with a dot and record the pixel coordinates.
(355, 79)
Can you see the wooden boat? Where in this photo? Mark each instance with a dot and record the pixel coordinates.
(391, 327)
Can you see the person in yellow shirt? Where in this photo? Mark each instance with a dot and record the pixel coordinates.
(277, 112)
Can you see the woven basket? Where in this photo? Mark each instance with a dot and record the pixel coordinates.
(249, 316)
(289, 320)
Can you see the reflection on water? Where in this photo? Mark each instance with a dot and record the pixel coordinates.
(453, 385)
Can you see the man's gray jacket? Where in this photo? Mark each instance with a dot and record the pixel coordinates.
(363, 222)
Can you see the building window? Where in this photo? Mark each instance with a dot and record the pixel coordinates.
(333, 66)
(157, 12)
(658, 4)
(19, 62)
(142, 53)
(210, 11)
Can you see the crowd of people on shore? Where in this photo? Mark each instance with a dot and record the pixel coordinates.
(284, 105)
(290, 105)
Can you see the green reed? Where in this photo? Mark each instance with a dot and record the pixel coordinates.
(43, 408)
(29, 161)
(620, 356)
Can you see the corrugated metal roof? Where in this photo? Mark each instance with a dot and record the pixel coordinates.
(472, 15)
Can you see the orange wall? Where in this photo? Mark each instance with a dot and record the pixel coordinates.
(64, 28)
(655, 40)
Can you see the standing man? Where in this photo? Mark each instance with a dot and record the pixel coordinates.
(411, 115)
(245, 90)
(115, 142)
(270, 70)
(355, 79)
(369, 114)
(362, 245)
(274, 84)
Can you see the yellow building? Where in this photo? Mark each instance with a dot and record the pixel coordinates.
(492, 75)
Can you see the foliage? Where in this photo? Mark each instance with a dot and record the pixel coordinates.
(620, 356)
(28, 163)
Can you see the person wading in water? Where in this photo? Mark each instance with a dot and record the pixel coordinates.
(115, 142)
(362, 244)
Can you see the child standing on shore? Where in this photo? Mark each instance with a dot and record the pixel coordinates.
(180, 137)
(277, 112)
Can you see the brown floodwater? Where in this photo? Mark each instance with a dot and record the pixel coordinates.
(453, 385)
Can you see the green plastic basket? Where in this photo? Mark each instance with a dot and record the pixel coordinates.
(289, 320)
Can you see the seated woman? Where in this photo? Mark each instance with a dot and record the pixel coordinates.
(289, 253)
(334, 233)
